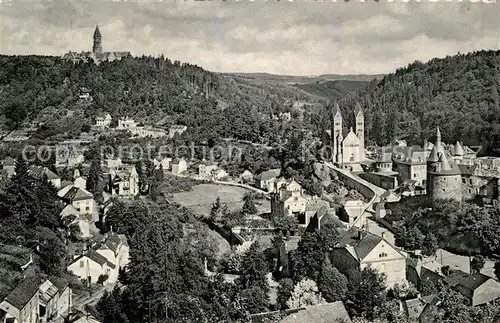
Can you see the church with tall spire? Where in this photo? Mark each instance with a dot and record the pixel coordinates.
(349, 151)
(97, 55)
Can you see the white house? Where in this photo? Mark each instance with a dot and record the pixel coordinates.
(71, 216)
(103, 120)
(90, 266)
(124, 181)
(360, 249)
(177, 129)
(179, 166)
(21, 305)
(116, 250)
(265, 180)
(126, 123)
(163, 162)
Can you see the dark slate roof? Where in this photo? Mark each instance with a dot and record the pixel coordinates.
(94, 256)
(22, 294)
(77, 194)
(322, 313)
(97, 32)
(467, 281)
(39, 171)
(467, 169)
(362, 246)
(60, 283)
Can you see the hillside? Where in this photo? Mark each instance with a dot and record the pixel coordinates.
(332, 90)
(460, 94)
(151, 90)
(291, 79)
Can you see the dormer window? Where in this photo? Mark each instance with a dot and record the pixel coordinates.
(383, 254)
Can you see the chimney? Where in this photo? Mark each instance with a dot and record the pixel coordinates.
(383, 235)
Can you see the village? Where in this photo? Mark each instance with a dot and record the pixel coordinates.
(381, 178)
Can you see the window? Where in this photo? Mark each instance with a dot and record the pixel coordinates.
(87, 208)
(463, 180)
(383, 254)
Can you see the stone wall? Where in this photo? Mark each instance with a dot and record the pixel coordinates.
(381, 180)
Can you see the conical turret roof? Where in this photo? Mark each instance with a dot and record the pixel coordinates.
(458, 150)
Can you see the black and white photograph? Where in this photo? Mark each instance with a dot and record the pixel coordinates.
(249, 161)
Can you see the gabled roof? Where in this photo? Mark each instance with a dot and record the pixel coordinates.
(416, 306)
(23, 293)
(39, 171)
(69, 210)
(94, 256)
(467, 169)
(322, 313)
(468, 282)
(78, 194)
(351, 136)
(362, 246)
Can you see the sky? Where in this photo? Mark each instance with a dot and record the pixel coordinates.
(293, 38)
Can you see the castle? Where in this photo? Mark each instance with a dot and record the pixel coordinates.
(348, 151)
(97, 55)
(444, 178)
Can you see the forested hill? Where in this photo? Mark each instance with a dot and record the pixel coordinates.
(151, 90)
(459, 93)
(332, 90)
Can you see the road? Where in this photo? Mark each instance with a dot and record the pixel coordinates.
(85, 299)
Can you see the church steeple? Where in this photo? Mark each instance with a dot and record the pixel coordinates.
(97, 48)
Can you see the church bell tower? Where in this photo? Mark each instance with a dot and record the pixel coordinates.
(97, 48)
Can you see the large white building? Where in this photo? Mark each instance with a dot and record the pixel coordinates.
(348, 151)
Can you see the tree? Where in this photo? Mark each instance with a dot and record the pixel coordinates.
(332, 284)
(285, 289)
(218, 212)
(253, 280)
(366, 292)
(249, 206)
(93, 179)
(286, 224)
(305, 293)
(403, 291)
(497, 270)
(477, 263)
(430, 245)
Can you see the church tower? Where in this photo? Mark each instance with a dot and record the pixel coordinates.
(97, 48)
(336, 132)
(360, 130)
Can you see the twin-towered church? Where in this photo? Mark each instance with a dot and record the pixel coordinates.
(348, 151)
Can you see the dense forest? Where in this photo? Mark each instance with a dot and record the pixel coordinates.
(151, 90)
(459, 93)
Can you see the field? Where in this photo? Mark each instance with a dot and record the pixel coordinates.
(201, 198)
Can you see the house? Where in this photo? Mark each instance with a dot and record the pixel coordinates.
(205, 171)
(265, 180)
(351, 210)
(126, 123)
(179, 166)
(55, 299)
(418, 274)
(359, 249)
(147, 131)
(21, 304)
(288, 200)
(320, 218)
(176, 129)
(321, 313)
(477, 288)
(246, 177)
(8, 166)
(84, 94)
(90, 266)
(313, 207)
(81, 199)
(102, 259)
(124, 181)
(410, 163)
(103, 120)
(75, 158)
(416, 308)
(71, 216)
(113, 162)
(87, 318)
(39, 172)
(116, 251)
(164, 162)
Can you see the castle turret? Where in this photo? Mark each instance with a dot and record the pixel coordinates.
(97, 48)
(444, 179)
